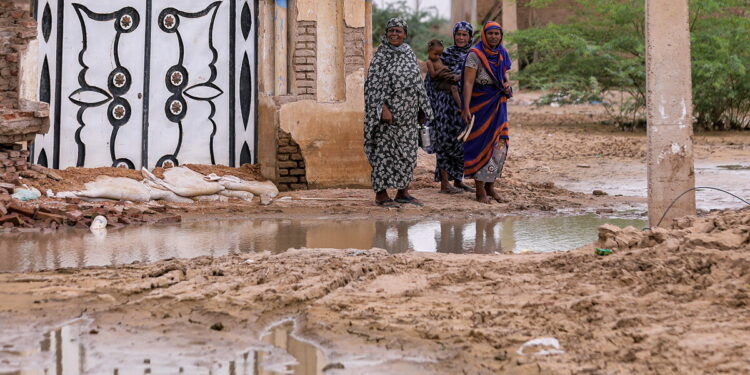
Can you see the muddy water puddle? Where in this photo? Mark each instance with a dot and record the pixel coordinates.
(24, 252)
(73, 350)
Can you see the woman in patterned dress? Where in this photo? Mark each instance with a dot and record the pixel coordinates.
(447, 124)
(395, 104)
(486, 91)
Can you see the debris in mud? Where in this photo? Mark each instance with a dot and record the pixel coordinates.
(720, 230)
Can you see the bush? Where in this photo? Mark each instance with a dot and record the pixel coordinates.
(603, 52)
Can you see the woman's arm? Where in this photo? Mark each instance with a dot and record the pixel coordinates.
(470, 76)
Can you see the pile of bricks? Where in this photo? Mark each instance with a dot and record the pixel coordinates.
(291, 164)
(305, 58)
(13, 160)
(49, 214)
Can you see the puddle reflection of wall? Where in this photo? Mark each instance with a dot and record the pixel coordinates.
(311, 360)
(358, 234)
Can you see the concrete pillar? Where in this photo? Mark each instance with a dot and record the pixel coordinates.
(510, 25)
(281, 42)
(266, 61)
(331, 79)
(368, 34)
(669, 105)
(464, 10)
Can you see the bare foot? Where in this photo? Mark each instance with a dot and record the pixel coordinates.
(490, 188)
(481, 194)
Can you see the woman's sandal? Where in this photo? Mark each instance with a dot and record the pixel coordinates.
(410, 200)
(388, 203)
(468, 188)
(451, 190)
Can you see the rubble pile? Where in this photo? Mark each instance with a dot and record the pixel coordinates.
(13, 160)
(72, 212)
(720, 230)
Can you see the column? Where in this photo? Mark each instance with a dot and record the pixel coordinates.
(331, 80)
(281, 41)
(510, 25)
(669, 106)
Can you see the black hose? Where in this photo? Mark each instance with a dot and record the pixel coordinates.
(696, 189)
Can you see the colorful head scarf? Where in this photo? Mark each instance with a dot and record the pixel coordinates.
(454, 56)
(492, 58)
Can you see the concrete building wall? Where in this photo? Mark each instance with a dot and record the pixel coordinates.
(312, 135)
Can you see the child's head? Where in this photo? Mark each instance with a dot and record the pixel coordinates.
(434, 50)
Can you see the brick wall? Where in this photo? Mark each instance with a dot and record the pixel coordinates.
(13, 161)
(354, 45)
(305, 59)
(16, 29)
(20, 119)
(291, 164)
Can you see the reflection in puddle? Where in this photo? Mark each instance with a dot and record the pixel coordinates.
(734, 167)
(62, 352)
(23, 252)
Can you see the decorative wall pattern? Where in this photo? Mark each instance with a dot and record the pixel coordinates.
(147, 82)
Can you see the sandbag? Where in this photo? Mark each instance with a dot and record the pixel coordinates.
(238, 194)
(184, 181)
(211, 198)
(117, 188)
(168, 196)
(255, 187)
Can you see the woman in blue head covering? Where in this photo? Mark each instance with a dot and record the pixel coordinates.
(447, 124)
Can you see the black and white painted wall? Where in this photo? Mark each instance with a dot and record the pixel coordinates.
(141, 83)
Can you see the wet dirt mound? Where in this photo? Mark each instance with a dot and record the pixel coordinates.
(720, 230)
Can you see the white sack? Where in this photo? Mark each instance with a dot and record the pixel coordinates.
(184, 181)
(239, 194)
(255, 187)
(211, 198)
(117, 188)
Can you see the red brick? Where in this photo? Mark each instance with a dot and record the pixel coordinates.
(286, 180)
(297, 172)
(21, 208)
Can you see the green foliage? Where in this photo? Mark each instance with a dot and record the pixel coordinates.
(601, 56)
(424, 25)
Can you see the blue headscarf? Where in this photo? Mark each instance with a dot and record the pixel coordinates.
(454, 56)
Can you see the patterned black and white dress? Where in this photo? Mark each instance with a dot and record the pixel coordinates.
(393, 79)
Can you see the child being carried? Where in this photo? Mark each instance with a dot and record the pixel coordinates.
(440, 74)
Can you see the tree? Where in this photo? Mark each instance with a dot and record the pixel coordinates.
(603, 52)
(424, 25)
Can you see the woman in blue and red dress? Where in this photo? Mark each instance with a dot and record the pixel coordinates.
(485, 94)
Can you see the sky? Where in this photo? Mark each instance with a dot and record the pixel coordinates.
(444, 6)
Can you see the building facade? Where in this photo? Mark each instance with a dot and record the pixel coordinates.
(145, 83)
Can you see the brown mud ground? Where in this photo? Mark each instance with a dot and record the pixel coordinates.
(671, 303)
